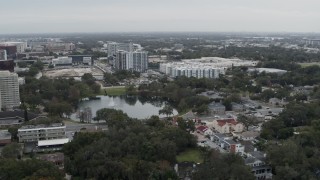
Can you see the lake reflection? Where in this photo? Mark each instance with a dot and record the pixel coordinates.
(134, 106)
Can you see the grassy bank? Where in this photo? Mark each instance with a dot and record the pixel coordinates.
(114, 91)
(191, 155)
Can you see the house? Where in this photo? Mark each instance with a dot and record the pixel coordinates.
(256, 160)
(247, 135)
(188, 116)
(185, 170)
(277, 102)
(233, 147)
(204, 130)
(227, 126)
(267, 114)
(219, 138)
(306, 90)
(212, 95)
(216, 108)
(237, 107)
(5, 137)
(11, 118)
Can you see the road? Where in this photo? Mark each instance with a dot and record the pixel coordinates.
(71, 129)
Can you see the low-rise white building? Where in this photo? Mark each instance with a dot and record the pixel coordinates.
(197, 70)
(206, 67)
(37, 133)
(62, 61)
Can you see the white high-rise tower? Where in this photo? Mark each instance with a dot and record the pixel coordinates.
(9, 90)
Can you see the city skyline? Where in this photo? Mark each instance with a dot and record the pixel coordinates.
(61, 16)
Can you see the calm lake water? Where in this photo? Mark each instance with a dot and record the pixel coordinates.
(135, 107)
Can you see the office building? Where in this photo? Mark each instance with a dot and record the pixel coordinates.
(11, 50)
(3, 54)
(36, 133)
(114, 47)
(73, 60)
(134, 61)
(81, 59)
(41, 138)
(7, 65)
(9, 90)
(62, 61)
(20, 46)
(138, 61)
(59, 47)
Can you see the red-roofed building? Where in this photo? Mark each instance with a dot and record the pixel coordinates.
(227, 126)
(204, 130)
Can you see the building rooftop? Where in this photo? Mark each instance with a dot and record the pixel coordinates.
(230, 141)
(219, 135)
(216, 105)
(52, 142)
(4, 134)
(259, 155)
(202, 128)
(225, 121)
(42, 126)
(250, 134)
(16, 114)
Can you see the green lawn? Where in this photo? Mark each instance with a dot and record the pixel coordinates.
(309, 64)
(114, 91)
(191, 155)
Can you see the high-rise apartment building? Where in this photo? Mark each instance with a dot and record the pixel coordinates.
(3, 54)
(9, 90)
(114, 47)
(134, 61)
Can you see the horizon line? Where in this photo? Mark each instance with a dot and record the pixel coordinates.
(162, 32)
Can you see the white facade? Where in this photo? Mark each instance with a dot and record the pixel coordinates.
(3, 55)
(9, 90)
(198, 70)
(136, 61)
(114, 47)
(41, 132)
(206, 67)
(87, 60)
(62, 61)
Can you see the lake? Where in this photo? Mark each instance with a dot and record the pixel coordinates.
(134, 106)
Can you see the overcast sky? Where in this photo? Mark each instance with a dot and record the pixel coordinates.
(50, 16)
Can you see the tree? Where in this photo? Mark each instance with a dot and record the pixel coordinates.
(223, 166)
(29, 170)
(186, 125)
(22, 64)
(14, 132)
(247, 121)
(12, 151)
(88, 79)
(166, 110)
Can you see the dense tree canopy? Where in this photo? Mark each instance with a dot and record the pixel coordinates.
(223, 166)
(29, 170)
(130, 149)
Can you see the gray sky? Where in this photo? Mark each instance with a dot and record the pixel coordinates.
(42, 16)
